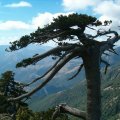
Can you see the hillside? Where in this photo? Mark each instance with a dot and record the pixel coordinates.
(9, 59)
(71, 92)
(76, 96)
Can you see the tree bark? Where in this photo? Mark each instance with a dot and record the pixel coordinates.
(92, 70)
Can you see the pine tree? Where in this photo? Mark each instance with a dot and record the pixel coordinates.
(73, 41)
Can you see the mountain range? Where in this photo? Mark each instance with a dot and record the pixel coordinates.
(76, 96)
(59, 89)
(9, 59)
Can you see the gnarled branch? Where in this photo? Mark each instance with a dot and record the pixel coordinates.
(63, 108)
(81, 66)
(107, 65)
(109, 44)
(49, 76)
(37, 58)
(38, 78)
(113, 51)
(105, 33)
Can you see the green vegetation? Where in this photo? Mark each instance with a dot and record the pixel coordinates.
(47, 115)
(76, 96)
(18, 110)
(9, 88)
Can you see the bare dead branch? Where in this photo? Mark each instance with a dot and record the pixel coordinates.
(106, 54)
(101, 33)
(107, 65)
(91, 28)
(106, 68)
(37, 58)
(38, 78)
(63, 108)
(110, 42)
(49, 76)
(105, 62)
(113, 51)
(53, 51)
(80, 68)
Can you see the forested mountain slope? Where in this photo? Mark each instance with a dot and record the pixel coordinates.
(76, 96)
(9, 60)
(66, 91)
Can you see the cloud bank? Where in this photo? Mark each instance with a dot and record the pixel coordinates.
(20, 4)
(11, 25)
(109, 10)
(78, 4)
(23, 28)
(40, 20)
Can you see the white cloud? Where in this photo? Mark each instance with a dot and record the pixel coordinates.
(25, 28)
(45, 18)
(40, 20)
(20, 4)
(77, 4)
(6, 41)
(109, 10)
(10, 25)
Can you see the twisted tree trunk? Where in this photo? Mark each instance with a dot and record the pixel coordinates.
(92, 71)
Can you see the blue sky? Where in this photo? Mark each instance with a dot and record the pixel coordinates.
(26, 13)
(37, 6)
(20, 17)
